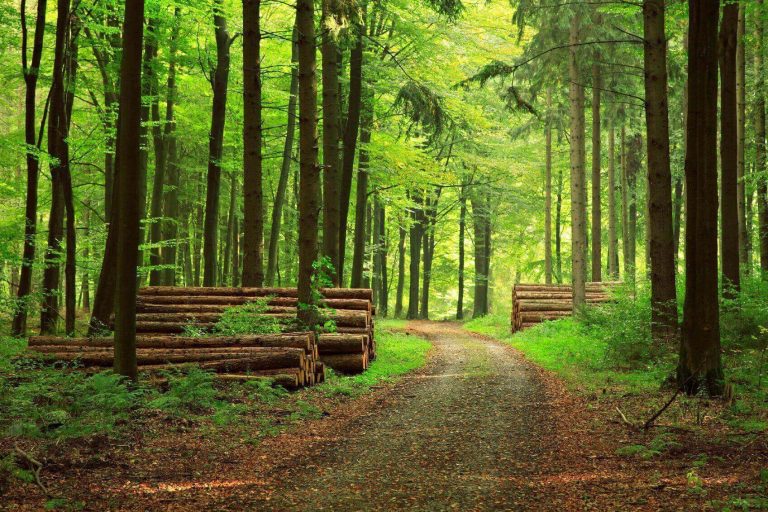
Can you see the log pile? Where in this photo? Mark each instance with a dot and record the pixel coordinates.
(163, 311)
(536, 303)
(290, 359)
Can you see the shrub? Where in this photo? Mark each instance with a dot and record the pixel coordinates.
(248, 318)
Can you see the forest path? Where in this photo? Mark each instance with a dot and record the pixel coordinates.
(471, 431)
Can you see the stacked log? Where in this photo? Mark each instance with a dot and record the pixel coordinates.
(536, 303)
(287, 359)
(164, 311)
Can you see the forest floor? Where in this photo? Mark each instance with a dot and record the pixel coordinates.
(478, 428)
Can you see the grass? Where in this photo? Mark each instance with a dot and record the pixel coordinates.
(570, 350)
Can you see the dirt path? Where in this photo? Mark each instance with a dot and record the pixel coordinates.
(468, 433)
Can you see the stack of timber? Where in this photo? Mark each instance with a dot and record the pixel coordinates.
(163, 310)
(536, 303)
(289, 360)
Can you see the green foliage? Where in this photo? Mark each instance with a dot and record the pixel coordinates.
(188, 393)
(657, 446)
(51, 403)
(248, 318)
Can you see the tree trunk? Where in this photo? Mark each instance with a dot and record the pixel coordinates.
(253, 199)
(230, 241)
(547, 203)
(350, 141)
(381, 248)
(31, 73)
(285, 167)
(613, 240)
(220, 76)
(597, 237)
(197, 229)
(740, 141)
(156, 204)
(70, 268)
(632, 169)
(729, 150)
(400, 273)
(578, 189)
(148, 86)
(171, 200)
(760, 148)
(558, 217)
(462, 236)
(128, 172)
(358, 256)
(309, 179)
(700, 367)
(661, 243)
(429, 250)
(331, 131)
(416, 235)
(480, 217)
(58, 148)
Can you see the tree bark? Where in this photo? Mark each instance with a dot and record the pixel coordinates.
(400, 273)
(613, 240)
(31, 73)
(354, 107)
(219, 79)
(578, 189)
(558, 236)
(230, 241)
(285, 167)
(128, 172)
(331, 131)
(253, 219)
(171, 200)
(547, 201)
(358, 256)
(760, 143)
(631, 170)
(380, 255)
(158, 182)
(700, 366)
(429, 249)
(597, 237)
(729, 157)
(481, 219)
(309, 178)
(661, 243)
(415, 236)
(58, 148)
(462, 236)
(740, 141)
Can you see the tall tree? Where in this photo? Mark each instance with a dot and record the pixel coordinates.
(361, 197)
(351, 128)
(331, 131)
(309, 173)
(415, 237)
(547, 200)
(219, 78)
(597, 222)
(171, 191)
(661, 243)
(760, 144)
(729, 149)
(400, 272)
(31, 71)
(285, 166)
(741, 105)
(58, 148)
(253, 221)
(699, 366)
(578, 189)
(159, 146)
(127, 160)
(613, 240)
(481, 216)
(462, 236)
